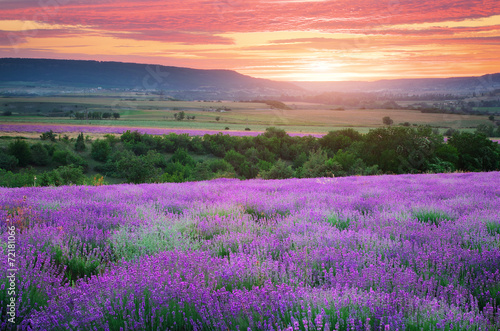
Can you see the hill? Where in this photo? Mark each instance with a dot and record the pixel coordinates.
(118, 75)
(454, 85)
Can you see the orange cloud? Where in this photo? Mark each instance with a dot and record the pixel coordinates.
(284, 39)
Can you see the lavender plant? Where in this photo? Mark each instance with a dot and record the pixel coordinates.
(406, 252)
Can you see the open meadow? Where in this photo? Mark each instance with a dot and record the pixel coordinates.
(401, 252)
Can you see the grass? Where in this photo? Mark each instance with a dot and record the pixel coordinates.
(434, 217)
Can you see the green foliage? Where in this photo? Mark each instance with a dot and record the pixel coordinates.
(111, 139)
(487, 129)
(338, 222)
(7, 162)
(80, 143)
(137, 169)
(176, 173)
(280, 170)
(220, 165)
(342, 139)
(21, 151)
(387, 120)
(316, 165)
(493, 228)
(234, 158)
(7, 113)
(133, 242)
(128, 136)
(475, 151)
(202, 172)
(259, 215)
(77, 161)
(400, 149)
(48, 135)
(40, 155)
(23, 178)
(100, 150)
(64, 175)
(181, 156)
(434, 217)
(60, 157)
(300, 160)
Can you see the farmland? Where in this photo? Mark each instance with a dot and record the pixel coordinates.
(401, 252)
(212, 115)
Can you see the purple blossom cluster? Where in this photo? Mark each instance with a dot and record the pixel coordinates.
(40, 128)
(406, 252)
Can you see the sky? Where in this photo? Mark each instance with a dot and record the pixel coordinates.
(295, 40)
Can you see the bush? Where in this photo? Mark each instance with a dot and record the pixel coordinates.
(21, 179)
(100, 150)
(182, 157)
(77, 161)
(7, 113)
(48, 135)
(220, 166)
(21, 151)
(280, 170)
(475, 151)
(316, 166)
(80, 143)
(60, 157)
(40, 155)
(387, 120)
(8, 162)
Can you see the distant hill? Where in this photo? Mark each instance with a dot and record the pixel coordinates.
(93, 74)
(456, 85)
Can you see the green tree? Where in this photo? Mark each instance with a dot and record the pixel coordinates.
(181, 156)
(475, 151)
(80, 143)
(387, 120)
(136, 169)
(100, 150)
(21, 151)
(7, 162)
(280, 170)
(40, 155)
(48, 135)
(316, 166)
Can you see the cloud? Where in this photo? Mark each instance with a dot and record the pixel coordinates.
(249, 16)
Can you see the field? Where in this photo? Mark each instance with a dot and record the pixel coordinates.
(150, 112)
(407, 252)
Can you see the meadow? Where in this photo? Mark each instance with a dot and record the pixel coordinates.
(400, 252)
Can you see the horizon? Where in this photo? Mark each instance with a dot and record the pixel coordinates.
(282, 40)
(284, 81)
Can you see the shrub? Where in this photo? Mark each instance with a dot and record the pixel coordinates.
(60, 157)
(21, 151)
(316, 166)
(280, 170)
(8, 162)
(40, 155)
(80, 143)
(387, 120)
(48, 135)
(100, 150)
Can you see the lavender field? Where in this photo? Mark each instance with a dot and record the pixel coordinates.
(406, 252)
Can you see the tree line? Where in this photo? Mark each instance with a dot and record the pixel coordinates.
(138, 158)
(96, 115)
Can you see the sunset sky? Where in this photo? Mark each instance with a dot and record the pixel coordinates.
(276, 39)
